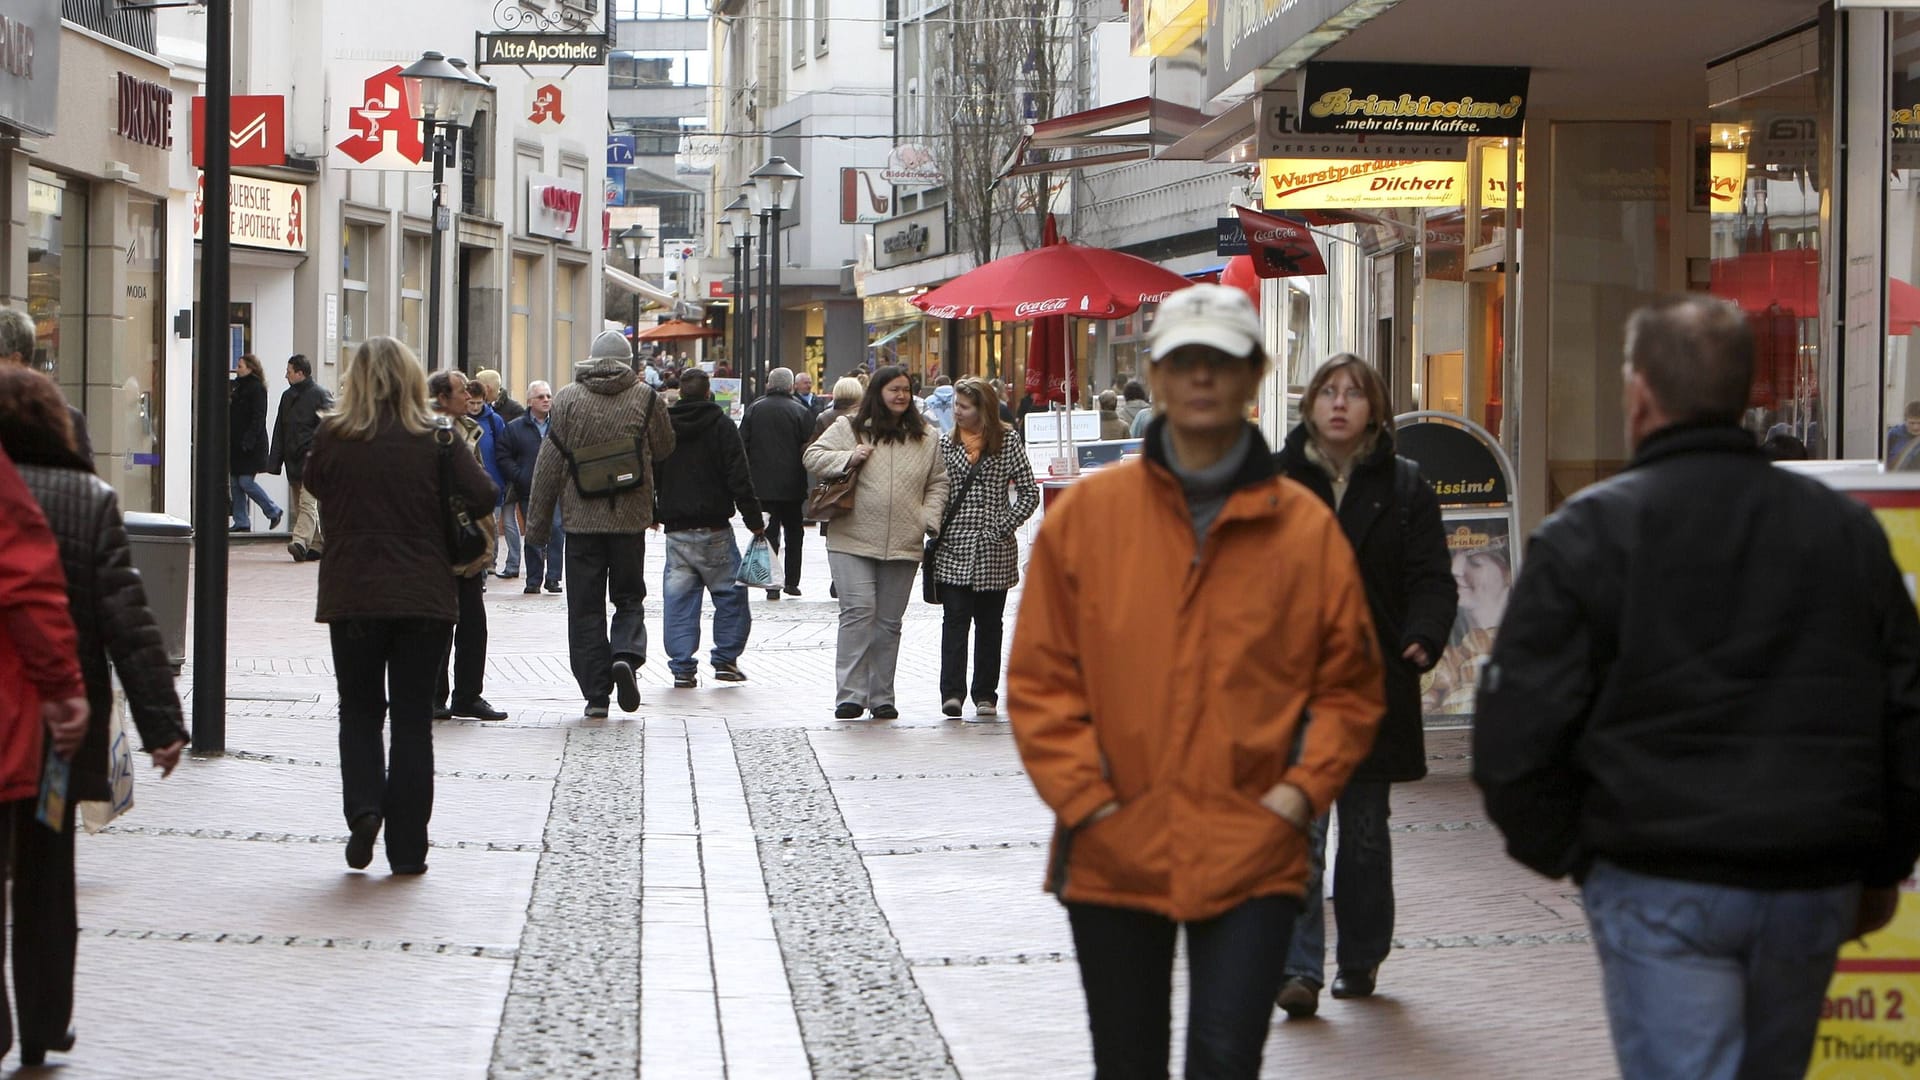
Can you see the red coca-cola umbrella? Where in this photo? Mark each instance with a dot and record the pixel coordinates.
(1058, 279)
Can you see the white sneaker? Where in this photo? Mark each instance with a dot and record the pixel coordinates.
(984, 712)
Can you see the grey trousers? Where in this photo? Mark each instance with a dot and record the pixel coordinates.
(873, 597)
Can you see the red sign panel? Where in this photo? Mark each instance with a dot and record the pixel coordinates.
(259, 135)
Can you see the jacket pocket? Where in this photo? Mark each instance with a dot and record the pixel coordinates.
(1124, 852)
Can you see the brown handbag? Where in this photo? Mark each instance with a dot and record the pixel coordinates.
(832, 497)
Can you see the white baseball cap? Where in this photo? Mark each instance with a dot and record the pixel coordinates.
(1216, 316)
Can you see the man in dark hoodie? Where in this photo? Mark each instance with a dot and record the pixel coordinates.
(697, 489)
(606, 534)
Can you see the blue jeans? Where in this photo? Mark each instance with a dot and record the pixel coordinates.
(703, 560)
(546, 559)
(1714, 982)
(510, 536)
(1363, 903)
(1233, 968)
(246, 487)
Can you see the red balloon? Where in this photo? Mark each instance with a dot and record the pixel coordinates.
(1240, 274)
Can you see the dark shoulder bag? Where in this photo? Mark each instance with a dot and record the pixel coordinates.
(929, 583)
(611, 467)
(832, 497)
(466, 540)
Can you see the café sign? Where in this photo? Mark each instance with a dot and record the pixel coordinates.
(1281, 137)
(1412, 99)
(1310, 184)
(30, 64)
(910, 238)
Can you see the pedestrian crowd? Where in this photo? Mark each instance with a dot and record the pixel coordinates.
(1218, 654)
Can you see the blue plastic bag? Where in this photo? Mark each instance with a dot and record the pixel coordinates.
(756, 566)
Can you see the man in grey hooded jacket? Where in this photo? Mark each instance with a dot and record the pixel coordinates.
(606, 537)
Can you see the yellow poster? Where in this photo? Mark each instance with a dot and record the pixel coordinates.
(1870, 1023)
(1493, 178)
(1323, 184)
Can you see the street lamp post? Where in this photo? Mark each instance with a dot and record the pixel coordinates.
(444, 97)
(210, 419)
(633, 241)
(739, 221)
(777, 184)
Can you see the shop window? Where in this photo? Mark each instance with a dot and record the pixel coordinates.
(416, 260)
(57, 279)
(358, 243)
(1612, 238)
(1900, 442)
(521, 340)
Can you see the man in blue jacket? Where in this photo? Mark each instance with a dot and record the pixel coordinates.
(516, 454)
(493, 431)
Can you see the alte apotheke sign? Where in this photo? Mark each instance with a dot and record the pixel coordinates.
(571, 50)
(1412, 99)
(911, 238)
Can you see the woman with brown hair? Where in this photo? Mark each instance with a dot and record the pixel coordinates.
(977, 559)
(247, 444)
(117, 635)
(874, 549)
(387, 595)
(1343, 452)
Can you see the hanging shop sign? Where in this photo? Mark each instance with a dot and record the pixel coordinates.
(570, 50)
(266, 214)
(554, 207)
(1412, 99)
(30, 65)
(1727, 181)
(1493, 178)
(1244, 36)
(371, 104)
(1228, 237)
(913, 166)
(910, 238)
(620, 149)
(1281, 247)
(546, 104)
(145, 115)
(865, 198)
(1165, 27)
(257, 132)
(1280, 137)
(1289, 184)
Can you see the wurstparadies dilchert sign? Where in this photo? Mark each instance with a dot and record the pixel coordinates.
(1412, 99)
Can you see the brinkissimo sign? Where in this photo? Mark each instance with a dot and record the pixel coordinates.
(1412, 99)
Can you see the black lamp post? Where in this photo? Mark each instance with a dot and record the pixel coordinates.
(737, 219)
(633, 241)
(776, 185)
(210, 403)
(444, 97)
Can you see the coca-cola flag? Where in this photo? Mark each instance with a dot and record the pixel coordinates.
(1280, 247)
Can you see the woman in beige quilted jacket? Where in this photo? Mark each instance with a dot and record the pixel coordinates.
(875, 548)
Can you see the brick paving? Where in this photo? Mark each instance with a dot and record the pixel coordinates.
(729, 883)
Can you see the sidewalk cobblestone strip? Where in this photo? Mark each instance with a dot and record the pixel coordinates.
(573, 1007)
(860, 1011)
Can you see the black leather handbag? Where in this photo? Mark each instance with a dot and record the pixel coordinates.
(466, 539)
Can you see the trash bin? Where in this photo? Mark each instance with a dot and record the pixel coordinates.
(161, 546)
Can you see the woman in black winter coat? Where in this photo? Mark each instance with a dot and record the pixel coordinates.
(1343, 452)
(114, 626)
(247, 444)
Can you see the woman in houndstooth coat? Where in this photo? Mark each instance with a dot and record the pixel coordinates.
(978, 559)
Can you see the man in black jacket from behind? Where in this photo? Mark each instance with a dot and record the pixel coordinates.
(776, 430)
(1704, 704)
(300, 407)
(697, 488)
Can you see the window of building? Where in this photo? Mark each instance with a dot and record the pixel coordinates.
(416, 256)
(660, 9)
(566, 339)
(476, 169)
(57, 279)
(522, 345)
(1900, 441)
(357, 246)
(820, 24)
(890, 28)
(653, 136)
(797, 31)
(657, 68)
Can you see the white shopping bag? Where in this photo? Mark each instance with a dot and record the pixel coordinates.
(96, 814)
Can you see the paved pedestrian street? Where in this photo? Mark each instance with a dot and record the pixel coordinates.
(728, 883)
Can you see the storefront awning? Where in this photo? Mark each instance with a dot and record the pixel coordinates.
(653, 294)
(1093, 129)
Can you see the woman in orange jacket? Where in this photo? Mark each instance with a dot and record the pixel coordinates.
(1165, 718)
